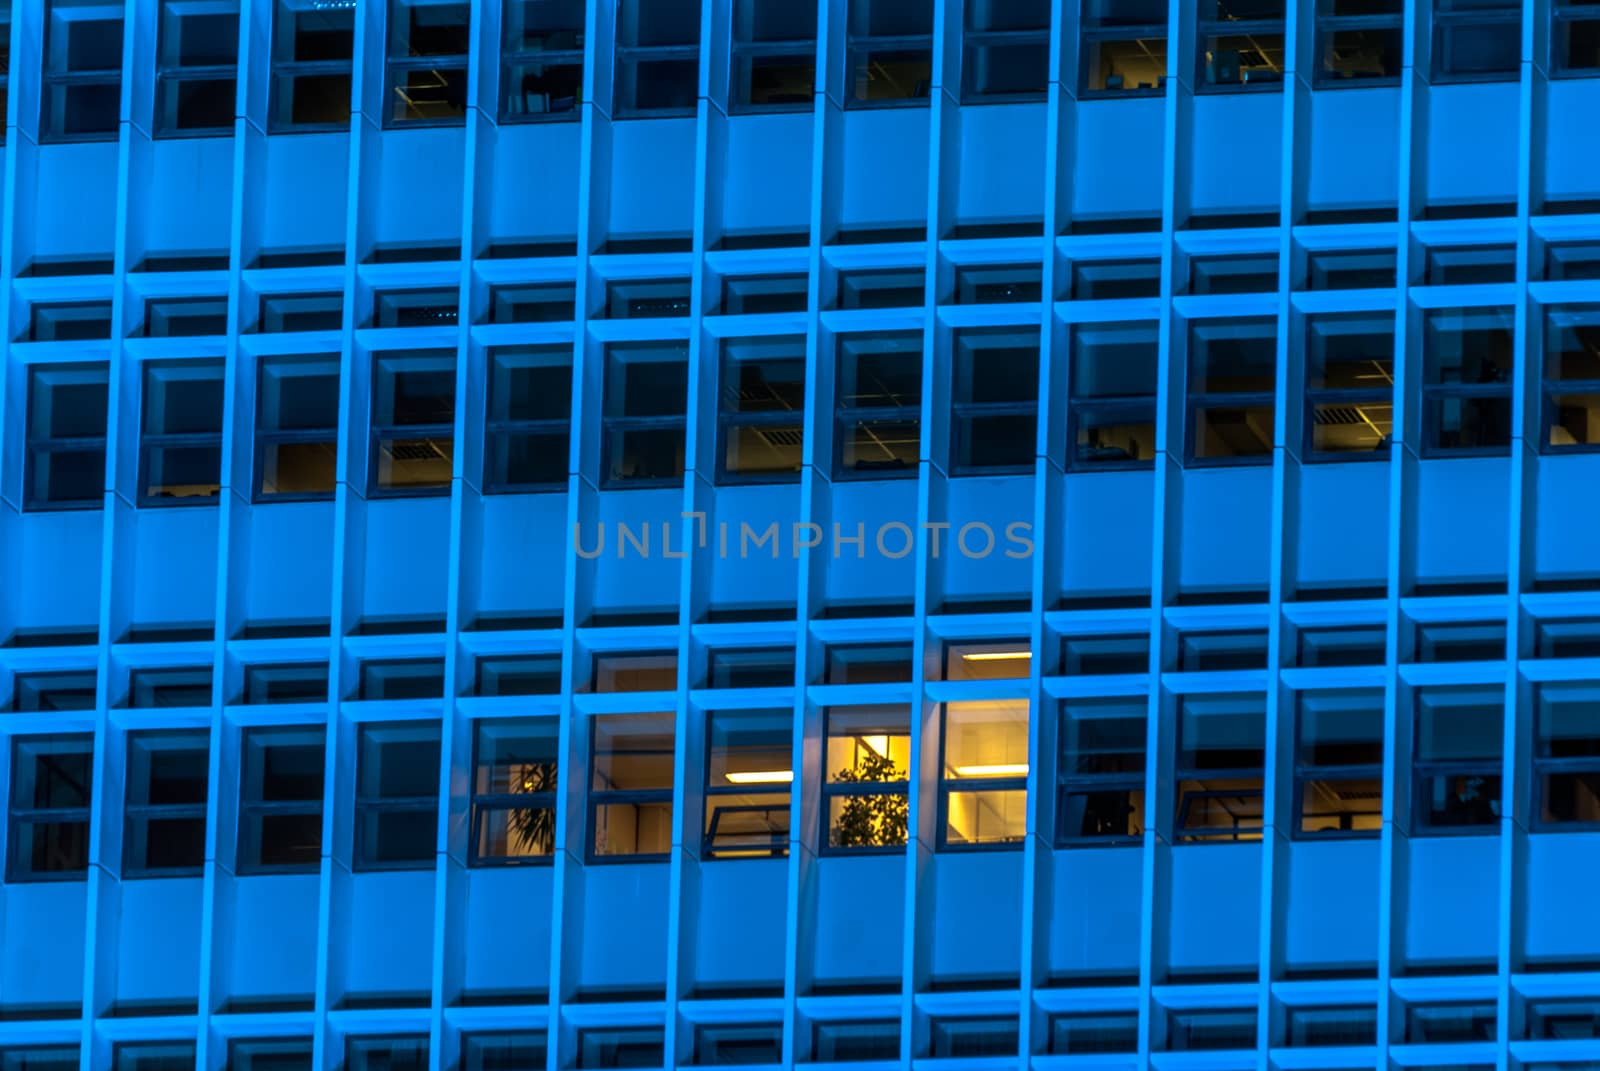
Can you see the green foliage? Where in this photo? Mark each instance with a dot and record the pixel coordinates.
(877, 820)
(532, 830)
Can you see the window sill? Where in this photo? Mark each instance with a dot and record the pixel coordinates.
(571, 115)
(423, 124)
(310, 128)
(197, 132)
(612, 860)
(1380, 82)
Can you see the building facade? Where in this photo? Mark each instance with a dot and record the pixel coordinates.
(579, 534)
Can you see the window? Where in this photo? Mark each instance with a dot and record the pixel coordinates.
(1358, 42)
(1208, 652)
(657, 58)
(68, 321)
(269, 1054)
(5, 61)
(1476, 40)
(762, 667)
(1006, 50)
(1560, 1020)
(386, 1054)
(984, 787)
(285, 684)
(1575, 37)
(1450, 1023)
(1221, 761)
(519, 675)
(999, 285)
(66, 436)
(542, 303)
(748, 774)
(1358, 645)
(1456, 760)
(300, 312)
(1124, 45)
(82, 92)
(1331, 1026)
(646, 398)
(51, 781)
(413, 422)
(994, 400)
(196, 60)
(402, 678)
(855, 1040)
(1338, 771)
(630, 790)
(1349, 386)
(621, 1047)
(1083, 1034)
(866, 758)
(1460, 641)
(879, 414)
(973, 1037)
(33, 692)
(774, 54)
(427, 62)
(280, 799)
(868, 663)
(1566, 756)
(1233, 368)
(434, 307)
(1571, 395)
(152, 1056)
(898, 288)
(1351, 270)
(642, 299)
(1241, 44)
(743, 1044)
(636, 672)
(297, 427)
(1468, 358)
(313, 49)
(751, 294)
(42, 1058)
(180, 458)
(966, 661)
(1100, 795)
(1568, 638)
(1471, 264)
(1193, 1030)
(516, 774)
(181, 686)
(185, 317)
(1255, 273)
(164, 823)
(1089, 656)
(397, 795)
(762, 401)
(541, 45)
(530, 418)
(1099, 280)
(890, 51)
(504, 1052)
(1113, 394)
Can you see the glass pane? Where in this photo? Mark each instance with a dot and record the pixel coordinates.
(82, 36)
(868, 820)
(986, 739)
(312, 99)
(1119, 64)
(540, 87)
(1093, 813)
(1233, 431)
(1103, 736)
(1001, 441)
(750, 748)
(428, 28)
(1114, 433)
(774, 81)
(1360, 54)
(298, 394)
(996, 367)
(68, 402)
(892, 18)
(308, 32)
(1460, 724)
(882, 371)
(890, 73)
(655, 672)
(986, 817)
(199, 36)
(532, 383)
(1244, 59)
(182, 472)
(881, 446)
(632, 752)
(1232, 357)
(516, 757)
(763, 375)
(1002, 69)
(398, 761)
(657, 85)
(633, 828)
(747, 824)
(183, 399)
(283, 765)
(868, 744)
(1469, 346)
(987, 661)
(647, 379)
(1222, 732)
(527, 459)
(1340, 728)
(414, 464)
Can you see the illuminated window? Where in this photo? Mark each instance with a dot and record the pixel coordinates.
(1100, 795)
(1241, 44)
(984, 785)
(986, 661)
(66, 436)
(397, 796)
(1456, 760)
(530, 418)
(1124, 46)
(634, 671)
(514, 783)
(297, 427)
(164, 823)
(541, 44)
(866, 763)
(1359, 42)
(1571, 394)
(413, 422)
(428, 45)
(763, 399)
(313, 45)
(1338, 769)
(1349, 386)
(181, 448)
(51, 782)
(1221, 763)
(280, 800)
(748, 776)
(630, 787)
(1566, 756)
(197, 59)
(1112, 407)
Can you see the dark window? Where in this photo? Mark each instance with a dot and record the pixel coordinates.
(889, 54)
(1456, 760)
(744, 1044)
(408, 678)
(1221, 763)
(1232, 375)
(1113, 394)
(1100, 795)
(541, 44)
(413, 422)
(750, 294)
(1457, 641)
(635, 299)
(280, 799)
(749, 769)
(164, 823)
(1357, 645)
(181, 686)
(1241, 44)
(438, 307)
(994, 400)
(181, 448)
(514, 783)
(1006, 51)
(530, 418)
(762, 667)
(301, 312)
(1572, 260)
(397, 795)
(1571, 638)
(1476, 40)
(313, 46)
(1359, 42)
(32, 692)
(269, 1054)
(427, 61)
(185, 317)
(1566, 756)
(894, 289)
(1571, 388)
(51, 781)
(386, 1054)
(621, 1047)
(1351, 270)
(1471, 265)
(285, 684)
(1205, 652)
(774, 54)
(1338, 771)
(998, 285)
(519, 675)
(657, 57)
(879, 405)
(81, 99)
(1089, 656)
(1190, 1030)
(1102, 280)
(1451, 1023)
(152, 1056)
(857, 1040)
(69, 321)
(1468, 359)
(5, 63)
(761, 403)
(1349, 386)
(983, 784)
(43, 1058)
(1331, 1026)
(1085, 1034)
(973, 1037)
(866, 761)
(196, 61)
(519, 1051)
(872, 663)
(533, 304)
(1575, 37)
(1251, 274)
(297, 426)
(66, 436)
(646, 398)
(1561, 1020)
(1124, 46)
(630, 787)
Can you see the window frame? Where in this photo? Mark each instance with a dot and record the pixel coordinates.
(498, 434)
(1306, 773)
(1424, 771)
(965, 369)
(252, 806)
(51, 125)
(381, 431)
(480, 805)
(149, 440)
(778, 848)
(1182, 799)
(832, 790)
(397, 67)
(1130, 404)
(1000, 783)
(17, 871)
(282, 69)
(366, 807)
(1195, 403)
(613, 425)
(177, 74)
(34, 442)
(847, 417)
(154, 740)
(269, 437)
(1328, 24)
(1070, 784)
(1435, 394)
(729, 422)
(1354, 397)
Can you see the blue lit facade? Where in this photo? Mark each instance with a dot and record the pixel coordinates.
(625, 533)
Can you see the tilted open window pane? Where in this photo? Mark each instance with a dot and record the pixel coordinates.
(749, 770)
(1220, 767)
